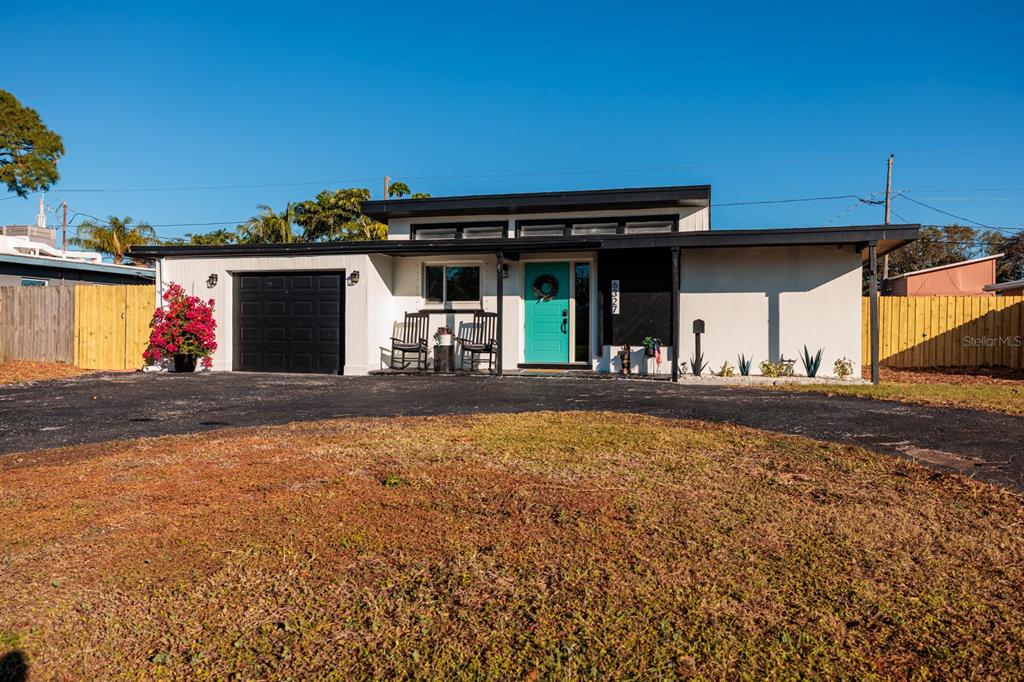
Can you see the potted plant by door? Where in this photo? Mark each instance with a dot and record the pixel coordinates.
(182, 329)
(651, 345)
(443, 336)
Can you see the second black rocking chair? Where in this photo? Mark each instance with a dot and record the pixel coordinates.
(412, 340)
(479, 341)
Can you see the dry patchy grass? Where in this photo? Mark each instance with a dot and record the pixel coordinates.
(15, 371)
(1002, 396)
(554, 545)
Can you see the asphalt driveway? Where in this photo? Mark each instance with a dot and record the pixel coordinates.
(106, 407)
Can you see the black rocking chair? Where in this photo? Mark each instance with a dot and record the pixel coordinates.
(413, 340)
(480, 341)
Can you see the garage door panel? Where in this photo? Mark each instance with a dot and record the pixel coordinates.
(275, 334)
(329, 308)
(289, 322)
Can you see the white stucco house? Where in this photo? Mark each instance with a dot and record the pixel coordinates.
(572, 276)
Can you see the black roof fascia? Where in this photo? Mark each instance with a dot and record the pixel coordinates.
(887, 237)
(540, 202)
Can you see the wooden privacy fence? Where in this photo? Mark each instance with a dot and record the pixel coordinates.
(112, 325)
(946, 331)
(92, 326)
(37, 323)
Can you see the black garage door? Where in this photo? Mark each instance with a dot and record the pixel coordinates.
(289, 322)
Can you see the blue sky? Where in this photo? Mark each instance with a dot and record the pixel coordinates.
(763, 101)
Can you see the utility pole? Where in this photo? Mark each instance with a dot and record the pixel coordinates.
(888, 201)
(387, 186)
(64, 230)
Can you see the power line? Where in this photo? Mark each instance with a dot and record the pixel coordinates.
(953, 215)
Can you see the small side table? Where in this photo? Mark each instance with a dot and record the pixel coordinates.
(444, 358)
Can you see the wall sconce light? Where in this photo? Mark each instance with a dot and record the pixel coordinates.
(503, 272)
(353, 278)
(211, 281)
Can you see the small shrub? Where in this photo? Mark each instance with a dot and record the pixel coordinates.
(697, 364)
(769, 368)
(184, 326)
(843, 368)
(393, 481)
(811, 362)
(727, 370)
(745, 364)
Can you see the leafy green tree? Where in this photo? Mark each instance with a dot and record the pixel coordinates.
(29, 151)
(1010, 267)
(115, 237)
(337, 215)
(400, 190)
(221, 237)
(266, 227)
(938, 246)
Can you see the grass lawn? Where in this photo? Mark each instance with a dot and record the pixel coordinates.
(978, 391)
(530, 545)
(14, 371)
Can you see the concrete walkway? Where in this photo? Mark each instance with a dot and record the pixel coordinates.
(106, 407)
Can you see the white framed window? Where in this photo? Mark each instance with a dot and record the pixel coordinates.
(33, 282)
(553, 230)
(649, 227)
(595, 228)
(451, 284)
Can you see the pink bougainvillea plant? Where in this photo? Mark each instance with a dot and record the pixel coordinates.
(183, 325)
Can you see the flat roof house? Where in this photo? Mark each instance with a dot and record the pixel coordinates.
(571, 276)
(29, 257)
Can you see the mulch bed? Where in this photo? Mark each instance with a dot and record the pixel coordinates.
(950, 375)
(14, 371)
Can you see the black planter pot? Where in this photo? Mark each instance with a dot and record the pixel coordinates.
(649, 351)
(184, 362)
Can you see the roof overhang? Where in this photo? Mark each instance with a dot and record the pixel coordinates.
(697, 196)
(885, 237)
(62, 264)
(1003, 286)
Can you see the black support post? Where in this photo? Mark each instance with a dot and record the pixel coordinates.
(500, 258)
(675, 312)
(873, 293)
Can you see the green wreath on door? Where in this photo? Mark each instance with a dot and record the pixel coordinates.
(545, 287)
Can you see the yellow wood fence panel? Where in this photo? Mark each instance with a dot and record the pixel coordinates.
(112, 325)
(946, 331)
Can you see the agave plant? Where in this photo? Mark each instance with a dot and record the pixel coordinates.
(811, 362)
(697, 364)
(744, 364)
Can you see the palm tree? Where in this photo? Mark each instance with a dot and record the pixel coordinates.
(266, 227)
(115, 237)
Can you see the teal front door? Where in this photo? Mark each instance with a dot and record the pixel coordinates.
(547, 312)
